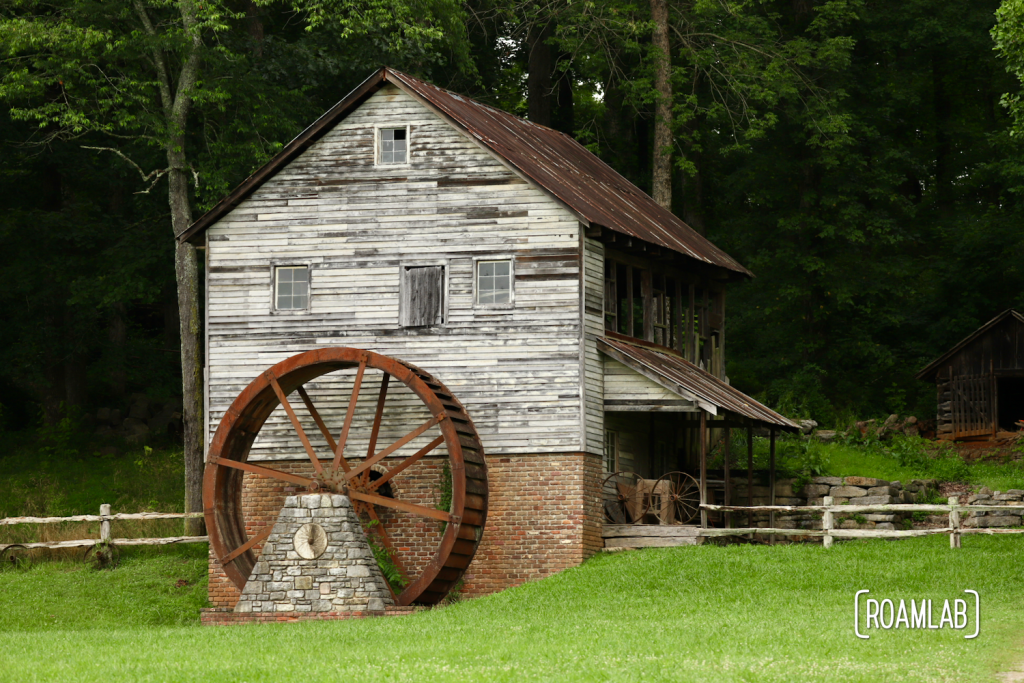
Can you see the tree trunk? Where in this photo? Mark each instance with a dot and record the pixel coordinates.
(661, 167)
(187, 275)
(539, 93)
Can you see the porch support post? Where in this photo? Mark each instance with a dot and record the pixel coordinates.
(703, 468)
(728, 481)
(771, 483)
(750, 475)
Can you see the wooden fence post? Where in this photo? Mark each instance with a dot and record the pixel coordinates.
(954, 522)
(827, 523)
(771, 482)
(105, 524)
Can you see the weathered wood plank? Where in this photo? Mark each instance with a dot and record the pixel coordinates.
(631, 530)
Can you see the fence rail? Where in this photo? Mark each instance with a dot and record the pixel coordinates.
(104, 518)
(828, 511)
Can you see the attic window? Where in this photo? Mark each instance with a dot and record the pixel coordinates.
(291, 287)
(394, 145)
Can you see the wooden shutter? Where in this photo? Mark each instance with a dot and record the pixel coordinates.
(423, 296)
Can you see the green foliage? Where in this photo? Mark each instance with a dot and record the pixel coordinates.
(443, 492)
(134, 479)
(385, 560)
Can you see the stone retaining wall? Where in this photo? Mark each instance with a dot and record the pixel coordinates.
(868, 491)
(995, 518)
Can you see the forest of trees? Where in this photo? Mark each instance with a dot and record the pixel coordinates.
(858, 156)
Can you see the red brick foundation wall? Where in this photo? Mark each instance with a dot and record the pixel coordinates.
(544, 516)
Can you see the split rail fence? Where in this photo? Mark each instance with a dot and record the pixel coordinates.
(828, 511)
(104, 518)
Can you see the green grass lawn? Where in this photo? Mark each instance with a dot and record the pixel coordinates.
(736, 613)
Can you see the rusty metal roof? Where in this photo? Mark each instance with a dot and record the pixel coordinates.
(689, 381)
(553, 160)
(566, 169)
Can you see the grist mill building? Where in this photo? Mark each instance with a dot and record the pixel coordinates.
(569, 325)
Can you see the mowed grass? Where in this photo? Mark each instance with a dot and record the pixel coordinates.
(736, 613)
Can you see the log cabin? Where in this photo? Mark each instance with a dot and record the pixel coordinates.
(581, 324)
(979, 382)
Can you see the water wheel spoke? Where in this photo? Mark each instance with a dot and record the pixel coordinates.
(263, 471)
(374, 485)
(339, 460)
(262, 536)
(315, 414)
(295, 422)
(379, 415)
(370, 462)
(411, 508)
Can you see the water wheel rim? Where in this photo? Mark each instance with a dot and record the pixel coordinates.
(241, 424)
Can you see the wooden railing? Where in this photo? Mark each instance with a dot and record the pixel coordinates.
(104, 518)
(828, 511)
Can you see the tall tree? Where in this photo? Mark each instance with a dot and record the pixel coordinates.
(132, 72)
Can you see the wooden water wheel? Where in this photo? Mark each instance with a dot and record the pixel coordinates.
(369, 479)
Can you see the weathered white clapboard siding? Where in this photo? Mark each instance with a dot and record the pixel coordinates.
(625, 390)
(516, 368)
(593, 327)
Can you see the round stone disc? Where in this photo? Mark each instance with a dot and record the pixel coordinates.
(310, 541)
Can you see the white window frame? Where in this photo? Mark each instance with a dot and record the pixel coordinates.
(610, 434)
(405, 265)
(511, 303)
(377, 142)
(273, 287)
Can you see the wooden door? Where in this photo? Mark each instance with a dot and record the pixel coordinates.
(972, 406)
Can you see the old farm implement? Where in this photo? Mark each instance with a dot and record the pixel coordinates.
(430, 531)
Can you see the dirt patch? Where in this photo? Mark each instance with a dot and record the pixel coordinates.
(953, 488)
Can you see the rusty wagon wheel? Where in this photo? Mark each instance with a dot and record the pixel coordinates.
(675, 498)
(624, 497)
(431, 567)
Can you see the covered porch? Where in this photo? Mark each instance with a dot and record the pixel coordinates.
(664, 417)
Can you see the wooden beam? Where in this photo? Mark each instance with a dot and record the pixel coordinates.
(771, 479)
(703, 469)
(750, 470)
(728, 480)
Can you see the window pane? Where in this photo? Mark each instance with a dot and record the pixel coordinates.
(501, 297)
(398, 133)
(486, 297)
(387, 134)
(486, 268)
(501, 283)
(501, 267)
(400, 157)
(388, 146)
(292, 287)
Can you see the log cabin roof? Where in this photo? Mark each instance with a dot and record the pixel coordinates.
(551, 159)
(682, 377)
(929, 371)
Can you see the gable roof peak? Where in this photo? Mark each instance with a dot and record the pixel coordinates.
(551, 159)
